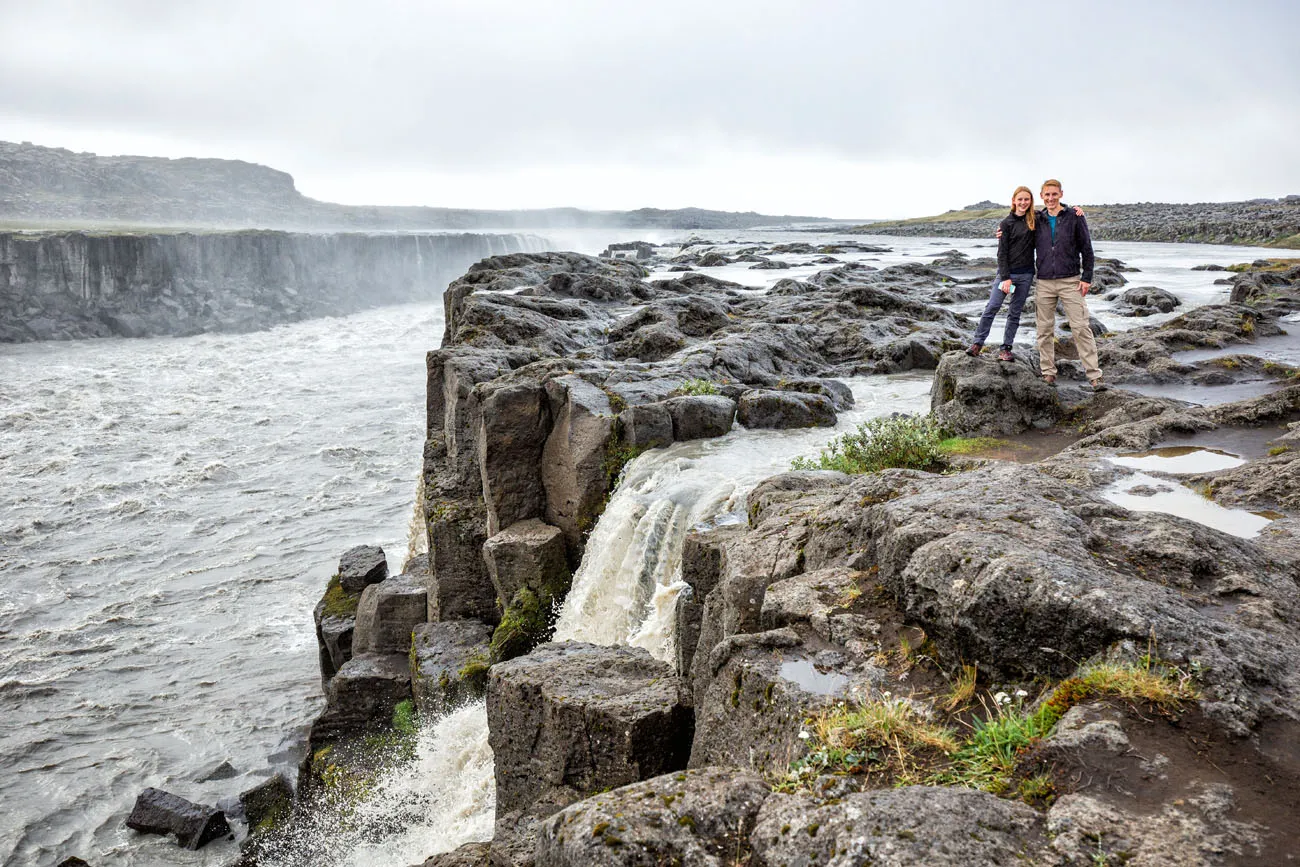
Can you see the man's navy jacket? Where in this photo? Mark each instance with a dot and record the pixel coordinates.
(1061, 258)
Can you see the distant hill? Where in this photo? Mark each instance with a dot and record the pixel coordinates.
(54, 186)
(1258, 222)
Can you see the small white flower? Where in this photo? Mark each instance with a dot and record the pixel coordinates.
(1002, 698)
(1020, 693)
(803, 736)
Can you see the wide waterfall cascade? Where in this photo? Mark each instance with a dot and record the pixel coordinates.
(625, 592)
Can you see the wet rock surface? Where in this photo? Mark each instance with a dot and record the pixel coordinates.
(194, 825)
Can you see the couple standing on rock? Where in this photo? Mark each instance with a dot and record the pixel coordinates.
(1059, 236)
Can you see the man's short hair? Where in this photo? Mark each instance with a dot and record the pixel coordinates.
(1050, 182)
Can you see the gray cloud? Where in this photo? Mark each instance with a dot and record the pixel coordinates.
(1143, 100)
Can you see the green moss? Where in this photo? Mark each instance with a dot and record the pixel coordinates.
(339, 602)
(976, 445)
(405, 719)
(524, 625)
(474, 673)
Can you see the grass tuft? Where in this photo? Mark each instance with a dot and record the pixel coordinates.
(892, 738)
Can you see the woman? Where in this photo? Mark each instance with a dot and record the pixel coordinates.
(1015, 271)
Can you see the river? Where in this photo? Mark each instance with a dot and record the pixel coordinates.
(173, 507)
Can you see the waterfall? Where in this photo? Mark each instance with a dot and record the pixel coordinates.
(624, 592)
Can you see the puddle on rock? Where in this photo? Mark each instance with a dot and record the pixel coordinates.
(805, 673)
(1179, 460)
(1206, 395)
(1246, 442)
(1024, 448)
(1143, 493)
(1278, 348)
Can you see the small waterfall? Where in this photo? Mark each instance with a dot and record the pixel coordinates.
(624, 592)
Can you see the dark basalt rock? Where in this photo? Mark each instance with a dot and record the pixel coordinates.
(449, 664)
(387, 613)
(582, 717)
(362, 566)
(699, 817)
(159, 812)
(700, 416)
(1146, 300)
(765, 408)
(896, 827)
(267, 804)
(468, 855)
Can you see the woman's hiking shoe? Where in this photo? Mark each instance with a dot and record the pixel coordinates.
(1005, 355)
(975, 349)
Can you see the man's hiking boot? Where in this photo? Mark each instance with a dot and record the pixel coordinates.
(1098, 385)
(975, 349)
(1050, 379)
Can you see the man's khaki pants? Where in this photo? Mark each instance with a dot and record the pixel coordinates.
(1066, 290)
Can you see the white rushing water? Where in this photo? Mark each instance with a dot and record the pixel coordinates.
(173, 507)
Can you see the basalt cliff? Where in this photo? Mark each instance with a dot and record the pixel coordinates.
(985, 661)
(62, 285)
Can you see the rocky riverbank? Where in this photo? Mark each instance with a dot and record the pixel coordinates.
(1256, 223)
(65, 285)
(996, 663)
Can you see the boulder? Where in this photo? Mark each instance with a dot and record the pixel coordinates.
(646, 426)
(914, 825)
(335, 616)
(267, 804)
(387, 613)
(579, 718)
(765, 408)
(449, 665)
(159, 812)
(699, 817)
(700, 416)
(983, 397)
(529, 553)
(1146, 300)
(362, 695)
(361, 566)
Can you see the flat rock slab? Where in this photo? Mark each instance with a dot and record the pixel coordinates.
(583, 717)
(701, 817)
(159, 812)
(362, 566)
(917, 825)
(387, 613)
(450, 664)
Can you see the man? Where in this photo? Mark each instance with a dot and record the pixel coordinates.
(1065, 260)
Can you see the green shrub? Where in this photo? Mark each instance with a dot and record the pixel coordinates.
(899, 441)
(696, 386)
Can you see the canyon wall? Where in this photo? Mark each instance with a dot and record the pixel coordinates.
(62, 285)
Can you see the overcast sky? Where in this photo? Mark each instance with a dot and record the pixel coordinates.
(846, 109)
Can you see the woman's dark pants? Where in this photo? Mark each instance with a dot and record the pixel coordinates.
(1020, 286)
